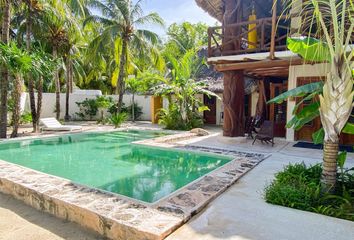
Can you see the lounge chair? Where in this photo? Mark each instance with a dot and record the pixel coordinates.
(51, 124)
(266, 133)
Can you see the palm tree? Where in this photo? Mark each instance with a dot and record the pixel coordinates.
(335, 24)
(18, 62)
(5, 37)
(122, 20)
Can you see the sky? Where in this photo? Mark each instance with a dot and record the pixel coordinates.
(177, 11)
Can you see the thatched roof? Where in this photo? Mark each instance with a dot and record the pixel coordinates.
(215, 8)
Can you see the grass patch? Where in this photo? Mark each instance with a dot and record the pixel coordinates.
(298, 186)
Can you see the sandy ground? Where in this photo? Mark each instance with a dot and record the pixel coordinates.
(21, 222)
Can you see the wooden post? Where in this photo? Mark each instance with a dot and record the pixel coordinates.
(234, 90)
(274, 30)
(209, 43)
(234, 104)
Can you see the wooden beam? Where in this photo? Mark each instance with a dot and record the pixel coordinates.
(255, 65)
(274, 30)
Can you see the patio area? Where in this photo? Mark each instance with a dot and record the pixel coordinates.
(239, 213)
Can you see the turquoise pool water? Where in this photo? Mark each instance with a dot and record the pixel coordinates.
(110, 161)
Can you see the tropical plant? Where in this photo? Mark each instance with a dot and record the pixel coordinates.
(185, 37)
(299, 186)
(181, 90)
(88, 108)
(103, 103)
(334, 21)
(122, 20)
(118, 119)
(18, 62)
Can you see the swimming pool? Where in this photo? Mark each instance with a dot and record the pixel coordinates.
(111, 162)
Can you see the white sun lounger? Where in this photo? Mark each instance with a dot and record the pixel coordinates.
(51, 124)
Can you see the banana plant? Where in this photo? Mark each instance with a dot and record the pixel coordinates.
(332, 45)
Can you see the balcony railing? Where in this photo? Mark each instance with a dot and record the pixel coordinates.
(271, 37)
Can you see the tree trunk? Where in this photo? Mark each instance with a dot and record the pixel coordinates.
(120, 83)
(68, 87)
(16, 113)
(29, 75)
(329, 172)
(39, 101)
(133, 108)
(234, 102)
(57, 86)
(4, 84)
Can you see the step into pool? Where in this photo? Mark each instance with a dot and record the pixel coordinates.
(112, 162)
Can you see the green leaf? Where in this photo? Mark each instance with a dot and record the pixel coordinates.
(203, 109)
(348, 128)
(310, 49)
(342, 157)
(298, 92)
(318, 136)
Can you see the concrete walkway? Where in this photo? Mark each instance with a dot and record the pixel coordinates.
(241, 213)
(238, 214)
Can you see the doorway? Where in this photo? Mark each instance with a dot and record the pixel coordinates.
(210, 116)
(277, 112)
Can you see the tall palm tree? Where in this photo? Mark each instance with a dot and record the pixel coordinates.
(123, 20)
(335, 23)
(5, 37)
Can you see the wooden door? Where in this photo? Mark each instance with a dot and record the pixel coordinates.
(277, 112)
(305, 133)
(210, 116)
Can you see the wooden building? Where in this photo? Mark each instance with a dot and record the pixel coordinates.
(251, 42)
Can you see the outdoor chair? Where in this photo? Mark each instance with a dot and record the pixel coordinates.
(51, 124)
(250, 126)
(266, 133)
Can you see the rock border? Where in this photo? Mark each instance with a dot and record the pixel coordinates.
(118, 217)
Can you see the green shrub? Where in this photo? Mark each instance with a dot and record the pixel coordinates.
(88, 109)
(26, 117)
(138, 110)
(171, 118)
(299, 186)
(118, 119)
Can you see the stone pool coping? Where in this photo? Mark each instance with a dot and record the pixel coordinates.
(118, 217)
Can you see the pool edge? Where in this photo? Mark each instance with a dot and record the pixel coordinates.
(95, 209)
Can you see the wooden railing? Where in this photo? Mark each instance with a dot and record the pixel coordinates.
(219, 42)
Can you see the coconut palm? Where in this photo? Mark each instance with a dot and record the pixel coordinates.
(5, 37)
(122, 20)
(18, 62)
(335, 24)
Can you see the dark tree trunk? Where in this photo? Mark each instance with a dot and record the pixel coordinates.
(16, 113)
(121, 83)
(57, 86)
(29, 75)
(4, 84)
(39, 101)
(234, 90)
(69, 77)
(133, 107)
(234, 102)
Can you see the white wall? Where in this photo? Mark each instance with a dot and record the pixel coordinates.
(295, 72)
(48, 104)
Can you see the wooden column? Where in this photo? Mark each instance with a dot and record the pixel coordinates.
(234, 90)
(234, 104)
